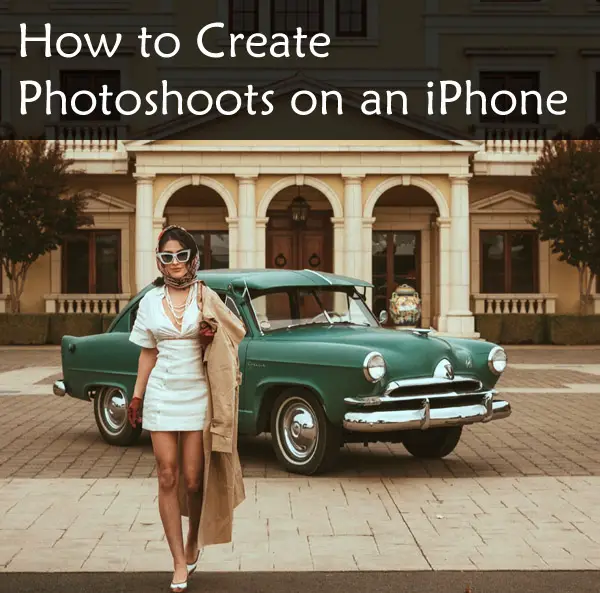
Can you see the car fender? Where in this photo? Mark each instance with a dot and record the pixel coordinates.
(269, 389)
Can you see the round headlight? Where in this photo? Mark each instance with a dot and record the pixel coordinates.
(497, 360)
(374, 367)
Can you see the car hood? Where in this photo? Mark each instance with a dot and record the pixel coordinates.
(406, 353)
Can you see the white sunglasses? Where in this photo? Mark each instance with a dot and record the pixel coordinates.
(181, 257)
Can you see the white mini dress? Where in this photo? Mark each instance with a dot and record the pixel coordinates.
(176, 394)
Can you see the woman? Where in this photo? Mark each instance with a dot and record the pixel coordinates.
(176, 325)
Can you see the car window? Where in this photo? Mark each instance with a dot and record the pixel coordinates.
(273, 310)
(281, 309)
(230, 304)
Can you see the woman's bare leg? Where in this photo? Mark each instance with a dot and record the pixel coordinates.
(193, 465)
(165, 453)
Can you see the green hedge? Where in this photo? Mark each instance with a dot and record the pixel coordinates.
(523, 329)
(567, 330)
(24, 329)
(80, 324)
(490, 327)
(574, 329)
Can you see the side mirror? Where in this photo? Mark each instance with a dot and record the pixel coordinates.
(383, 317)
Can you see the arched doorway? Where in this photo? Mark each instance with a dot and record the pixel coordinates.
(299, 231)
(203, 212)
(404, 248)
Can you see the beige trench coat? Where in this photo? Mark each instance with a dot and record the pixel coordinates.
(223, 486)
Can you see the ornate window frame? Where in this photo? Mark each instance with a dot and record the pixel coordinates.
(329, 20)
(508, 210)
(111, 213)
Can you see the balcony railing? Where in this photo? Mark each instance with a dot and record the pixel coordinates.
(511, 304)
(108, 304)
(519, 140)
(95, 138)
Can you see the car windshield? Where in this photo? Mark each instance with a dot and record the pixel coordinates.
(294, 307)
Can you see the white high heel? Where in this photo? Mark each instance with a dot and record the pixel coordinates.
(179, 587)
(192, 567)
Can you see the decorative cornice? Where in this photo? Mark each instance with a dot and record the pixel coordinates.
(246, 179)
(460, 179)
(143, 178)
(353, 178)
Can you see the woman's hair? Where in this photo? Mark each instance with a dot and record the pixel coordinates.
(182, 237)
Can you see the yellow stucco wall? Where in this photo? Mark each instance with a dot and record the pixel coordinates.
(564, 282)
(37, 285)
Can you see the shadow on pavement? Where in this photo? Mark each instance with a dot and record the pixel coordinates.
(316, 582)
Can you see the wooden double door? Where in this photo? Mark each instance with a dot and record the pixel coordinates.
(293, 246)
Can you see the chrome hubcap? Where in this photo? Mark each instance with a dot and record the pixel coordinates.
(299, 429)
(114, 410)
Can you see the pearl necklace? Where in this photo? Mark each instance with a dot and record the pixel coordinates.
(178, 311)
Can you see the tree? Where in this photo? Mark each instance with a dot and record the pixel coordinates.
(566, 189)
(35, 214)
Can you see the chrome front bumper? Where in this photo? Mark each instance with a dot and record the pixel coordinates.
(424, 416)
(59, 388)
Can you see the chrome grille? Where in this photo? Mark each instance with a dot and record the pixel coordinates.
(432, 387)
(437, 392)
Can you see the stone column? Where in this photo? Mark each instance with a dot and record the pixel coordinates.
(233, 227)
(444, 274)
(261, 242)
(158, 224)
(367, 255)
(247, 221)
(145, 265)
(460, 318)
(353, 225)
(338, 245)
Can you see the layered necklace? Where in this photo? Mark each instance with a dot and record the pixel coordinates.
(178, 311)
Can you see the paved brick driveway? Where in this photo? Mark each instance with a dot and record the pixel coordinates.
(517, 494)
(547, 434)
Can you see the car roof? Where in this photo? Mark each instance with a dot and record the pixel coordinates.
(265, 279)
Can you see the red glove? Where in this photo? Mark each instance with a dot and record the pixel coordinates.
(206, 334)
(134, 411)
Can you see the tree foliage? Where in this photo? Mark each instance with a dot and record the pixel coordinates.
(35, 213)
(566, 189)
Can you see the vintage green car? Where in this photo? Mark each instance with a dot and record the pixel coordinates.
(318, 371)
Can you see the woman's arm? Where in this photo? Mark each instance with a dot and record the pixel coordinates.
(146, 363)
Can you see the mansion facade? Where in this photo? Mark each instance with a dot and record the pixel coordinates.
(447, 212)
(450, 218)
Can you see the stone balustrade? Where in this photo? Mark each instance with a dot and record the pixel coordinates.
(90, 138)
(511, 304)
(512, 140)
(108, 304)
